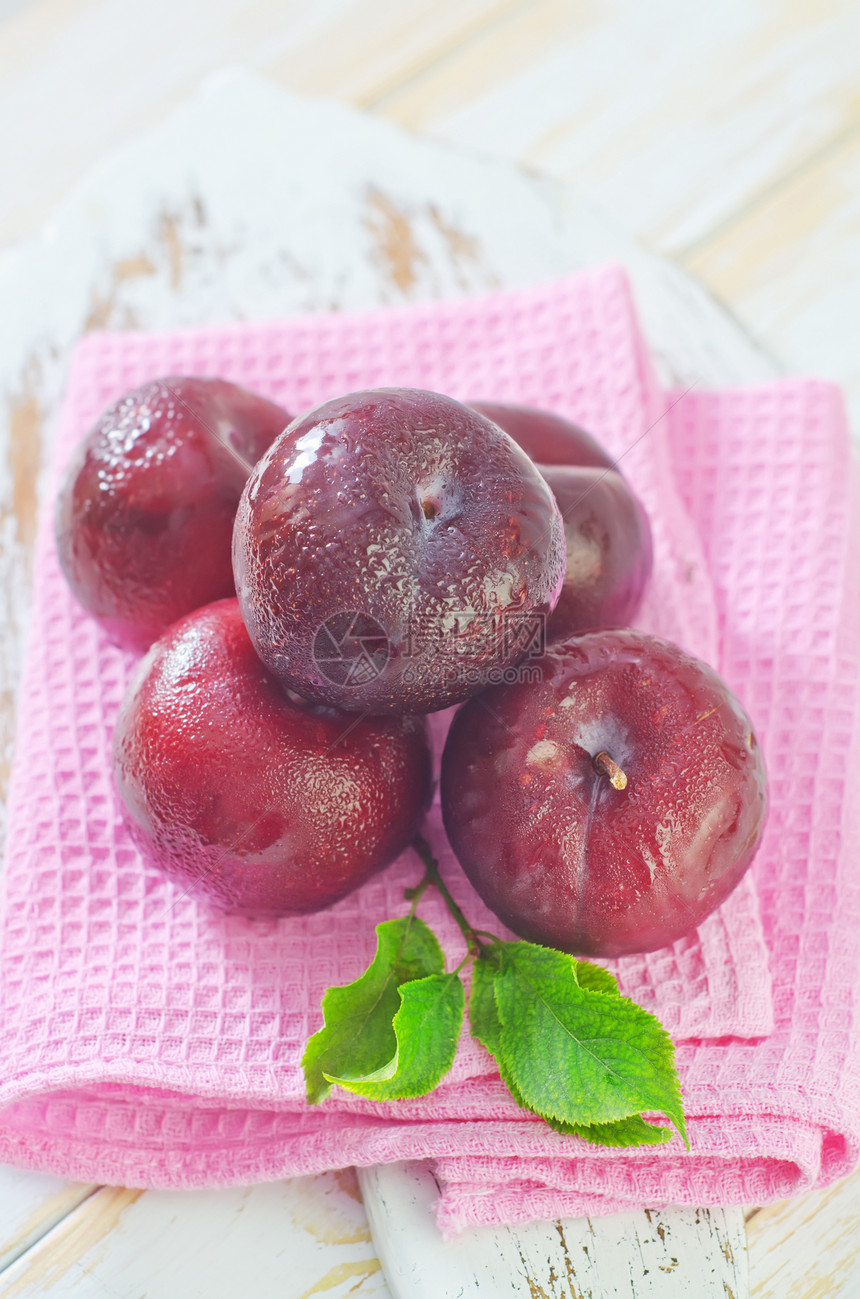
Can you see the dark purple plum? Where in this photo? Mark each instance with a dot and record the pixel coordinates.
(144, 518)
(609, 550)
(612, 804)
(391, 551)
(261, 803)
(545, 438)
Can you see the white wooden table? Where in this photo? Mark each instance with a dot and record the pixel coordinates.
(725, 142)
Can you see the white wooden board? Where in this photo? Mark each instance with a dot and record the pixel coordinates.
(673, 1254)
(807, 1248)
(675, 119)
(30, 1205)
(290, 1239)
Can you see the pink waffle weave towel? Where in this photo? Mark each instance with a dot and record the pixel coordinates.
(146, 1040)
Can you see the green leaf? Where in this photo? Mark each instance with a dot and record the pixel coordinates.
(484, 1016)
(595, 978)
(576, 1056)
(487, 1028)
(632, 1131)
(427, 1027)
(358, 1035)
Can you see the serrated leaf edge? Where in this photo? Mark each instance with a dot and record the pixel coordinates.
(678, 1122)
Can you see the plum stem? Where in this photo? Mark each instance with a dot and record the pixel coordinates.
(606, 766)
(432, 876)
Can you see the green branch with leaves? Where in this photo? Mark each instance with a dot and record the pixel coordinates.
(568, 1046)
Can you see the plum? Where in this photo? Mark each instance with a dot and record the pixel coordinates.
(262, 803)
(610, 804)
(394, 550)
(547, 439)
(609, 549)
(144, 517)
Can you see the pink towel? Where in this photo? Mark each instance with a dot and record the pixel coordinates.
(147, 1040)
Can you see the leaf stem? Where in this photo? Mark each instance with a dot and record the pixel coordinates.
(432, 876)
(414, 895)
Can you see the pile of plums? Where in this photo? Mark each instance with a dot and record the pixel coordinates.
(310, 589)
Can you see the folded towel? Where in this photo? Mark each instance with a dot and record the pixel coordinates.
(147, 1040)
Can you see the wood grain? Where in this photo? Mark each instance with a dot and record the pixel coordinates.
(62, 1251)
(297, 1238)
(375, 46)
(30, 1205)
(673, 1253)
(807, 1248)
(676, 136)
(790, 267)
(674, 119)
(83, 54)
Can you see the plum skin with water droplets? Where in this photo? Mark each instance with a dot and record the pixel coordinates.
(263, 804)
(609, 550)
(609, 546)
(417, 514)
(561, 856)
(144, 517)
